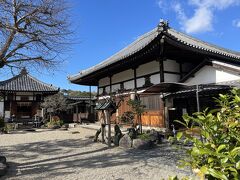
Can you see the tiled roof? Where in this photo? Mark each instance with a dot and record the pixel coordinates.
(201, 45)
(134, 47)
(25, 82)
(144, 40)
(234, 83)
(77, 98)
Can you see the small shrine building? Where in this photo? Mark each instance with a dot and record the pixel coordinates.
(22, 96)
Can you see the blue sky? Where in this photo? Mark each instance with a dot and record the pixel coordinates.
(103, 27)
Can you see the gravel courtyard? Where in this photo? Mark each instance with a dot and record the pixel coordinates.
(58, 154)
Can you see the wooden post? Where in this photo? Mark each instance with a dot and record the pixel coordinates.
(77, 112)
(109, 127)
(108, 123)
(135, 78)
(90, 100)
(10, 108)
(198, 105)
(110, 79)
(161, 59)
(197, 98)
(162, 109)
(161, 70)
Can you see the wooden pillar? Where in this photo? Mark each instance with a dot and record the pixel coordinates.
(97, 91)
(161, 59)
(162, 110)
(135, 77)
(161, 70)
(10, 108)
(109, 128)
(110, 77)
(90, 100)
(77, 112)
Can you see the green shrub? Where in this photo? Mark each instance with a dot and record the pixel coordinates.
(54, 121)
(217, 155)
(8, 127)
(144, 136)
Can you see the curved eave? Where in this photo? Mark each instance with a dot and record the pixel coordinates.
(131, 61)
(189, 43)
(44, 92)
(127, 52)
(26, 83)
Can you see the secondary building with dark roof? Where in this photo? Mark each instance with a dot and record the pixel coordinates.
(173, 60)
(22, 96)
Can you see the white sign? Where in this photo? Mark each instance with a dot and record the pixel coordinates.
(7, 114)
(1, 108)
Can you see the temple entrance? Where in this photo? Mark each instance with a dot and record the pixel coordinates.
(24, 110)
(174, 114)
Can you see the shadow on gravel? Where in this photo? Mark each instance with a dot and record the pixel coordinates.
(91, 155)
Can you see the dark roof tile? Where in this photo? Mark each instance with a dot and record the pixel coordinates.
(25, 82)
(147, 38)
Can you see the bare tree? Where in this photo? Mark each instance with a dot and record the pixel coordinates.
(32, 32)
(56, 102)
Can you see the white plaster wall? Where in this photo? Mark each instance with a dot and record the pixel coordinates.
(100, 90)
(204, 76)
(129, 84)
(222, 76)
(107, 89)
(171, 65)
(1, 108)
(103, 82)
(115, 87)
(147, 68)
(155, 79)
(123, 76)
(171, 77)
(140, 82)
(209, 74)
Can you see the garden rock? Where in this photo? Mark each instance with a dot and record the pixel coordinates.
(65, 126)
(125, 141)
(155, 136)
(55, 127)
(132, 133)
(72, 125)
(117, 135)
(3, 169)
(3, 166)
(142, 144)
(3, 159)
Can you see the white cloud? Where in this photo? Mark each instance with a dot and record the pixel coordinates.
(236, 23)
(200, 22)
(160, 3)
(180, 11)
(203, 16)
(163, 5)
